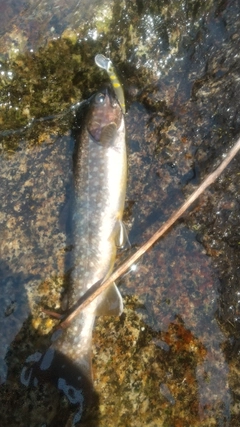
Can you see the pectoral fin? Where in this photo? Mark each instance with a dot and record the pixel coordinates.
(122, 240)
(108, 133)
(111, 302)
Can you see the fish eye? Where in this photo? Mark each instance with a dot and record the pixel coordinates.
(100, 98)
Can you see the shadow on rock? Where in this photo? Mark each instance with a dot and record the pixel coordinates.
(75, 387)
(44, 388)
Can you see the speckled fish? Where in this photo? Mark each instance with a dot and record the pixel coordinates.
(99, 194)
(100, 186)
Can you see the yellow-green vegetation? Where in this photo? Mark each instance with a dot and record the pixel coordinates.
(41, 85)
(49, 291)
(44, 82)
(38, 85)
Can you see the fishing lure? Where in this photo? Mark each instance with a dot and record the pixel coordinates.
(106, 64)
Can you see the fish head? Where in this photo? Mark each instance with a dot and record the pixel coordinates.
(104, 117)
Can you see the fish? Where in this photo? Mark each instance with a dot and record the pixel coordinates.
(100, 176)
